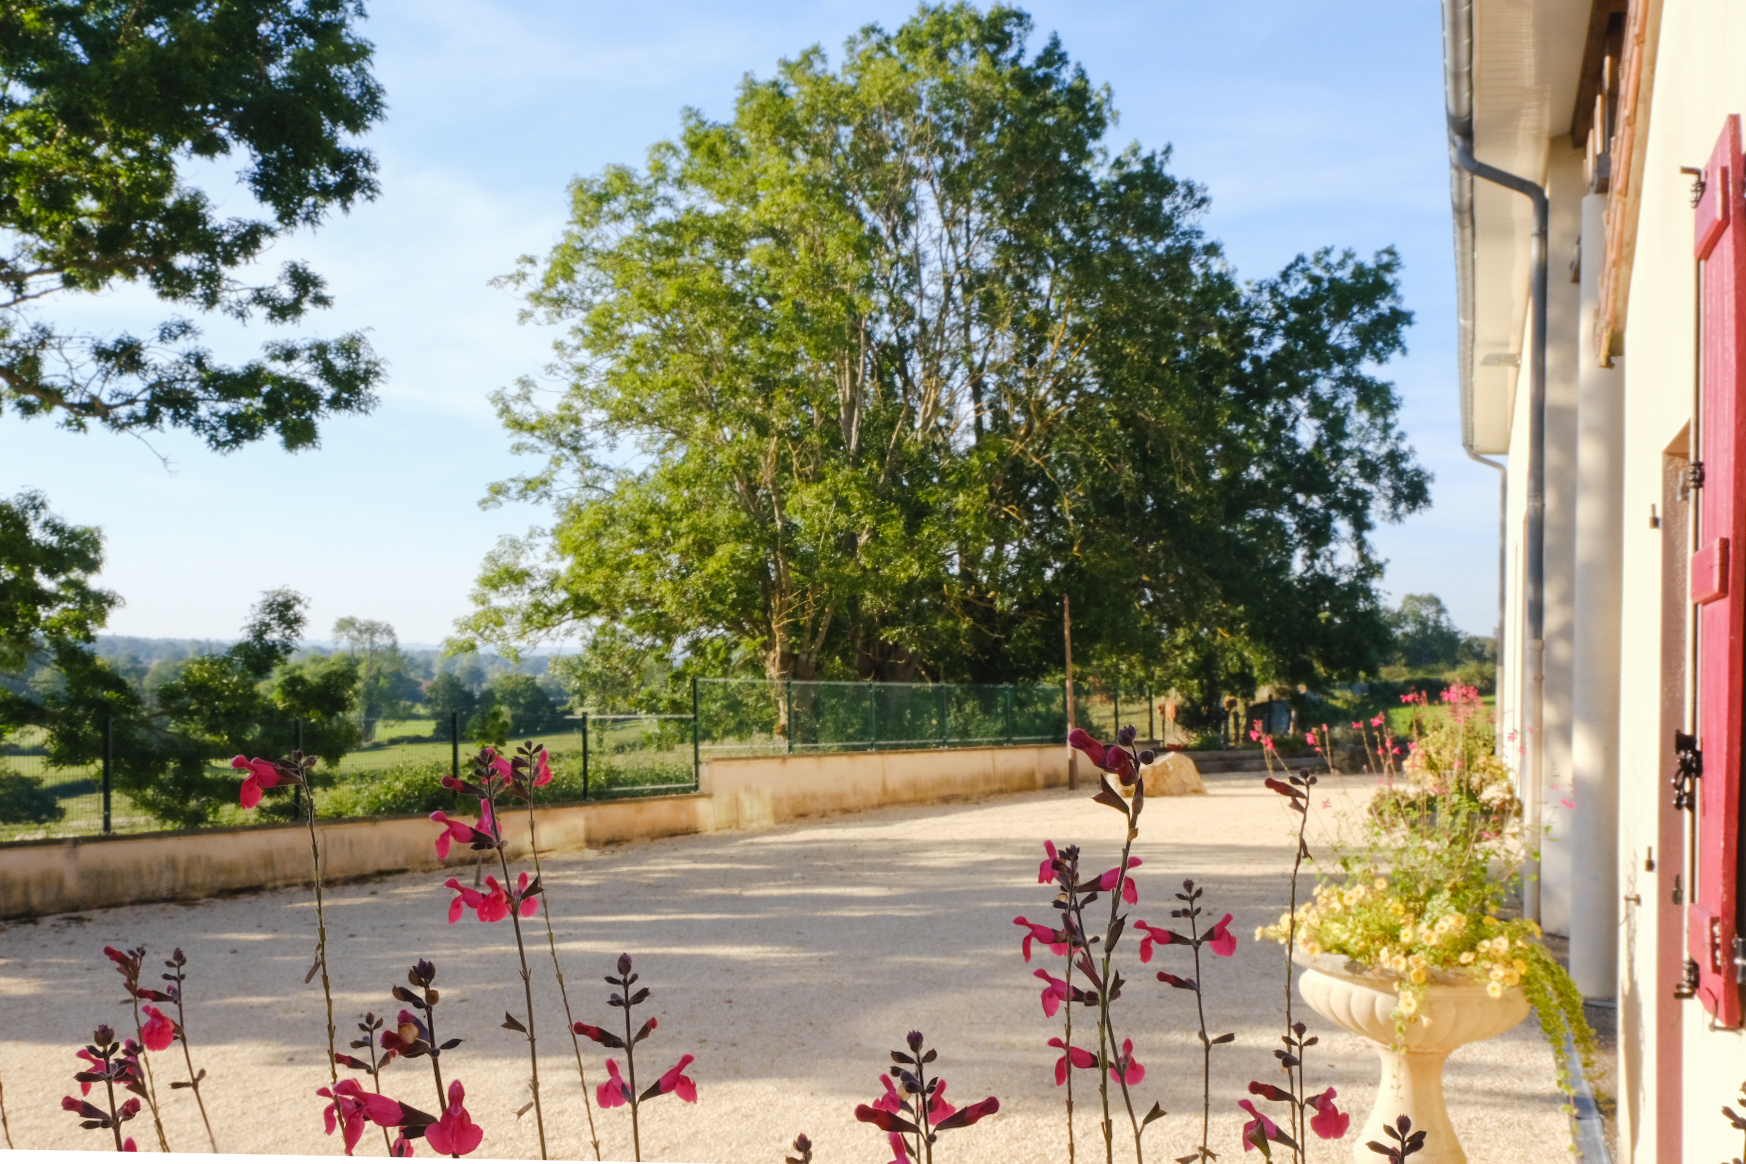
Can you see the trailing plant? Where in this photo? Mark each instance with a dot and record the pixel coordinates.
(914, 1111)
(621, 1090)
(1422, 899)
(109, 1063)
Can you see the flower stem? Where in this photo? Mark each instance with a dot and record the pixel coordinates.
(315, 862)
(527, 991)
(109, 1086)
(1072, 891)
(1295, 1077)
(630, 1067)
(435, 1069)
(1205, 1044)
(376, 1076)
(552, 942)
(151, 1096)
(188, 1058)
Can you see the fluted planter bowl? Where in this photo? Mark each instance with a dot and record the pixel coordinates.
(1460, 1012)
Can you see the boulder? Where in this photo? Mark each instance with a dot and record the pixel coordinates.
(1172, 774)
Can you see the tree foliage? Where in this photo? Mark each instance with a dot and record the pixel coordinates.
(46, 566)
(105, 106)
(865, 380)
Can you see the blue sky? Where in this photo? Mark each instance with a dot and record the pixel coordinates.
(1310, 125)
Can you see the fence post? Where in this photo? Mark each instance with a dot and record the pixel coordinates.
(584, 755)
(108, 764)
(872, 720)
(788, 697)
(696, 744)
(1006, 710)
(945, 717)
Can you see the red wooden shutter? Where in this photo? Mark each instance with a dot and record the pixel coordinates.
(1718, 584)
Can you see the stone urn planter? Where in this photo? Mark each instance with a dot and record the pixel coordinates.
(1460, 1012)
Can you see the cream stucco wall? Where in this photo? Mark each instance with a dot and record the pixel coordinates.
(738, 793)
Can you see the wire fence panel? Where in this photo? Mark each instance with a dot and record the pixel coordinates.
(752, 717)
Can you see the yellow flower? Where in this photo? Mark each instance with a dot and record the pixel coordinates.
(1494, 989)
(1382, 883)
(1418, 976)
(1409, 1005)
(1521, 966)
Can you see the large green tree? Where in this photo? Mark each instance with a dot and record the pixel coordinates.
(105, 106)
(866, 379)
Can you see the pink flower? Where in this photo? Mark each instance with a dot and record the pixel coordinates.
(1331, 1123)
(1377, 722)
(615, 1092)
(542, 770)
(158, 1032)
(900, 1150)
(1054, 939)
(1112, 759)
(1077, 1056)
(1155, 935)
(1309, 738)
(890, 1101)
(454, 830)
(965, 1116)
(455, 1134)
(498, 764)
(345, 1112)
(1220, 938)
(680, 1084)
(1055, 992)
(1046, 871)
(492, 905)
(1127, 1069)
(96, 1064)
(1266, 1126)
(128, 1145)
(262, 774)
(401, 1146)
(1130, 891)
(938, 1108)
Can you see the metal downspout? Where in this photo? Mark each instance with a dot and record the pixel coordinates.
(1458, 96)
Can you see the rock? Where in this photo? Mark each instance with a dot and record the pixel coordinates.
(1172, 774)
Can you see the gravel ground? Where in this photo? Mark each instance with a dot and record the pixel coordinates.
(789, 961)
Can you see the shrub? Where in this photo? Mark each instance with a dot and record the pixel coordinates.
(23, 800)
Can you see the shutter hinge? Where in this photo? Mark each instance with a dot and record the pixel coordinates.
(1696, 174)
(1689, 770)
(1695, 475)
(1740, 959)
(1678, 889)
(1688, 985)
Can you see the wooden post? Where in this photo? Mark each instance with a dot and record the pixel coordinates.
(1067, 636)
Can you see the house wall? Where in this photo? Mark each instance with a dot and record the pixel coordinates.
(1675, 1072)
(739, 793)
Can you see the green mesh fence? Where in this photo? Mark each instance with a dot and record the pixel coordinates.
(756, 717)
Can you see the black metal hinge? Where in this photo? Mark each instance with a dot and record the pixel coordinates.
(1689, 771)
(1688, 985)
(1695, 475)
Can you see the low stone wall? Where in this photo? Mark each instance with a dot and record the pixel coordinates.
(48, 877)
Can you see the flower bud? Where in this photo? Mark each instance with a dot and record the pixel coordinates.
(1126, 735)
(624, 963)
(915, 1041)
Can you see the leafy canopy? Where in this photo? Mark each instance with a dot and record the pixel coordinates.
(864, 380)
(105, 108)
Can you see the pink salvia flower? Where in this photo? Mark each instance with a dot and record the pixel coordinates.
(615, 1092)
(1053, 938)
(96, 1064)
(262, 774)
(1220, 939)
(1330, 1123)
(1154, 935)
(890, 1101)
(938, 1108)
(401, 1146)
(1046, 871)
(678, 1083)
(1054, 992)
(128, 1145)
(1127, 1069)
(346, 1112)
(1077, 1056)
(542, 770)
(453, 830)
(465, 899)
(899, 1149)
(455, 1134)
(159, 1032)
(1309, 738)
(1268, 1128)
(1130, 891)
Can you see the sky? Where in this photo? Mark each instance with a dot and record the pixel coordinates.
(1311, 125)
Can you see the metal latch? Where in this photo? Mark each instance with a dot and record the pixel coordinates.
(1739, 959)
(1690, 769)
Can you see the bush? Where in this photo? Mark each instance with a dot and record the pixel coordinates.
(23, 800)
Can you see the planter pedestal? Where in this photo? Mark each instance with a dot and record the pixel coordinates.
(1459, 1011)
